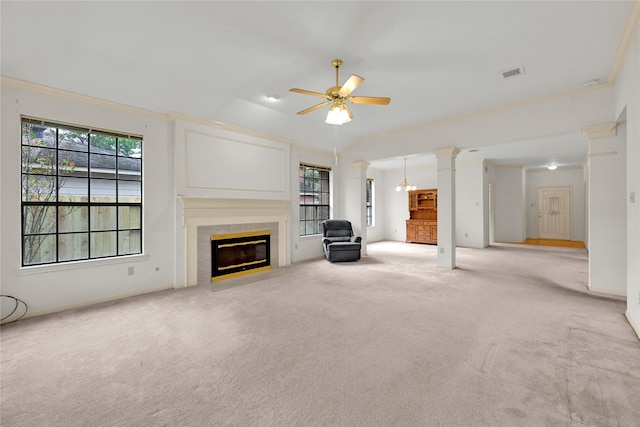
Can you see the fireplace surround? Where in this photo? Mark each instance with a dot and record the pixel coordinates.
(203, 217)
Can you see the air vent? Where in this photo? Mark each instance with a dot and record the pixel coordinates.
(513, 72)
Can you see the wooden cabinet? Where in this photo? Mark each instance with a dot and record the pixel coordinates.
(422, 225)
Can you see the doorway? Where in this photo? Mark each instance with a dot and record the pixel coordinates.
(554, 213)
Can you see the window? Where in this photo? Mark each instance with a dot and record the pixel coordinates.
(369, 202)
(314, 198)
(81, 193)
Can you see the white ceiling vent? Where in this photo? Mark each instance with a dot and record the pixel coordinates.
(519, 71)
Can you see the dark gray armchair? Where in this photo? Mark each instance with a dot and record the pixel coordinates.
(338, 241)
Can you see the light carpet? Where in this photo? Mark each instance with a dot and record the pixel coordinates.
(510, 338)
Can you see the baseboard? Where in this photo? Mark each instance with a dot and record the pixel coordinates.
(30, 314)
(607, 293)
(634, 326)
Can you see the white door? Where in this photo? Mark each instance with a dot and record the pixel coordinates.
(554, 213)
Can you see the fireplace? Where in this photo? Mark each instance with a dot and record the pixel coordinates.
(240, 253)
(206, 217)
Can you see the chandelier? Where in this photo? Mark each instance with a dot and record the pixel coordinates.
(405, 185)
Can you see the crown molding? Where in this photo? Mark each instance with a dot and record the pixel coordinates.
(599, 131)
(313, 150)
(478, 113)
(625, 42)
(77, 97)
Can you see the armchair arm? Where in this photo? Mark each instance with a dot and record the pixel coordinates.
(356, 239)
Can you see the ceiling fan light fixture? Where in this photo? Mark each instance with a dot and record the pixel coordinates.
(552, 167)
(337, 115)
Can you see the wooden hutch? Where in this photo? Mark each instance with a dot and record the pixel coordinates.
(422, 225)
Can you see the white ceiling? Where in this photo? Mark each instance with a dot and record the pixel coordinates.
(218, 60)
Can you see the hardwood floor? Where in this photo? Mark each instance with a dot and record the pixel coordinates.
(556, 243)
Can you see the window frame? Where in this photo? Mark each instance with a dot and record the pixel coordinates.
(311, 215)
(369, 201)
(125, 210)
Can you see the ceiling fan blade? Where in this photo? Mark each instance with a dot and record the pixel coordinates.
(315, 107)
(346, 107)
(350, 85)
(308, 92)
(369, 100)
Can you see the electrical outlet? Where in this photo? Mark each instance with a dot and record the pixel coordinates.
(441, 250)
(130, 271)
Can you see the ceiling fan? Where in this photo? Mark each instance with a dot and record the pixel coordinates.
(336, 96)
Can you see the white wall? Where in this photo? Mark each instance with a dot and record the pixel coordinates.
(508, 198)
(471, 200)
(607, 214)
(628, 106)
(53, 287)
(562, 177)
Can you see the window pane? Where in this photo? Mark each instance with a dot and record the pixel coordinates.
(38, 188)
(73, 218)
(72, 163)
(129, 147)
(38, 219)
(102, 166)
(310, 227)
(39, 249)
(103, 244)
(129, 217)
(37, 160)
(103, 144)
(129, 242)
(129, 169)
(73, 246)
(129, 191)
(37, 135)
(72, 139)
(103, 190)
(103, 218)
(309, 212)
(73, 189)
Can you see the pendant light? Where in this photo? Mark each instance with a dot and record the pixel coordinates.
(405, 185)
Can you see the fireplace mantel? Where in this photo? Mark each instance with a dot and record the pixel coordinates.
(200, 211)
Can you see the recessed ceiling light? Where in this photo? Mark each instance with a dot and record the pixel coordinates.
(552, 167)
(272, 98)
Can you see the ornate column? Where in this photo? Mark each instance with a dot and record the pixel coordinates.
(447, 206)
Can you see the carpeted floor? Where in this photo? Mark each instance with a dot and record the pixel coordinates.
(510, 338)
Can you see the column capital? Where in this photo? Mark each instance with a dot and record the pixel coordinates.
(361, 165)
(599, 131)
(446, 153)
